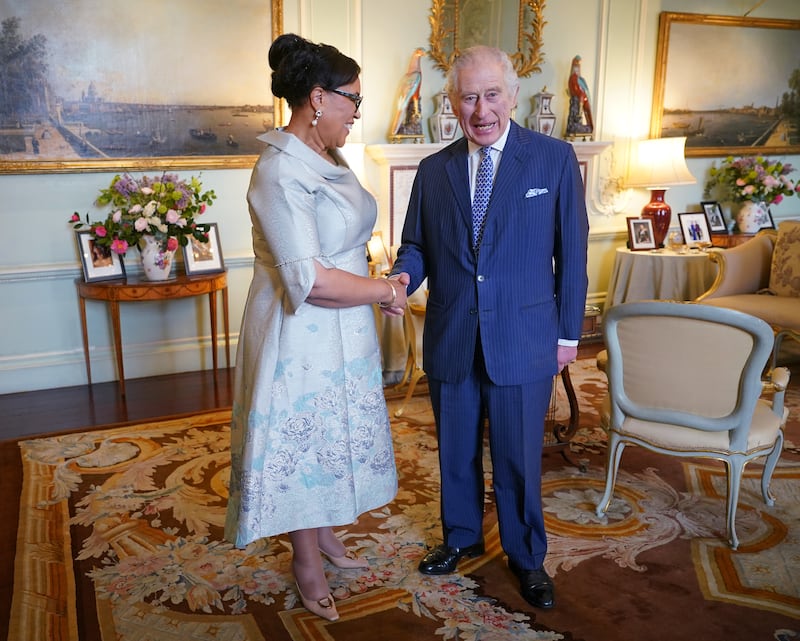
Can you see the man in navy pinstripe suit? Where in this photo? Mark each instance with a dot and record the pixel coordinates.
(504, 315)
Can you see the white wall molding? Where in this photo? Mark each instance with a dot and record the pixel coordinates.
(67, 368)
(68, 271)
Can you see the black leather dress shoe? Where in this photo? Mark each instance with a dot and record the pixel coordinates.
(535, 586)
(443, 559)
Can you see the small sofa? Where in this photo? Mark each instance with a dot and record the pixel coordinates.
(761, 277)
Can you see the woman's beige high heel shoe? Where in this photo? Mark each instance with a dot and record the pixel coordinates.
(347, 561)
(324, 607)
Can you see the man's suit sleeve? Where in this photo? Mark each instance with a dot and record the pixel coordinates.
(571, 251)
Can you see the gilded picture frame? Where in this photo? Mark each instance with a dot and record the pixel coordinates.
(121, 86)
(730, 84)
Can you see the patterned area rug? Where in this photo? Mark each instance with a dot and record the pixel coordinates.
(120, 539)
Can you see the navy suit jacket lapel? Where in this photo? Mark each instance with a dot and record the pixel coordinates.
(506, 184)
(457, 168)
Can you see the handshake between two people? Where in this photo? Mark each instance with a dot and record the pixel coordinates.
(398, 305)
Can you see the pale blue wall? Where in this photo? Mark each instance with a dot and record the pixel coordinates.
(40, 341)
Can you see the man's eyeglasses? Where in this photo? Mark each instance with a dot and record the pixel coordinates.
(355, 97)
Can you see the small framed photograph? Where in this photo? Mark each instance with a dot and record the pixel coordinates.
(716, 221)
(695, 230)
(771, 222)
(640, 234)
(98, 262)
(204, 258)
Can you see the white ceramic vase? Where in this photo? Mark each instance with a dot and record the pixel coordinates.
(752, 216)
(444, 123)
(542, 119)
(157, 263)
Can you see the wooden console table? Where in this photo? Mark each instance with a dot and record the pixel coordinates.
(135, 290)
(730, 240)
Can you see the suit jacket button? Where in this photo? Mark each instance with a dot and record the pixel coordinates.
(481, 278)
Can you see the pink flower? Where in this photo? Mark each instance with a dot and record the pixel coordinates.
(116, 216)
(172, 244)
(172, 216)
(748, 190)
(202, 208)
(740, 182)
(140, 224)
(100, 231)
(777, 199)
(74, 218)
(119, 246)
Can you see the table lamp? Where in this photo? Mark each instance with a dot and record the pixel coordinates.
(658, 164)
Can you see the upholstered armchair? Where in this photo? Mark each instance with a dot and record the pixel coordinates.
(668, 395)
(762, 277)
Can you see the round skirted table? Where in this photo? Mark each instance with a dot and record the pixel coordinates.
(660, 274)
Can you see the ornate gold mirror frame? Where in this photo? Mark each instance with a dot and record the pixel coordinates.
(448, 18)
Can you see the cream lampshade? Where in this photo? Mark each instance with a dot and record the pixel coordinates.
(658, 164)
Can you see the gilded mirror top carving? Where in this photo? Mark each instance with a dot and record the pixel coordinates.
(512, 25)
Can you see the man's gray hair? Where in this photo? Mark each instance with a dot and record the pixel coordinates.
(477, 54)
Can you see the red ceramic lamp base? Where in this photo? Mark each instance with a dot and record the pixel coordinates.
(660, 213)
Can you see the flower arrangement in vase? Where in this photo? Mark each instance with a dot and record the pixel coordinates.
(754, 182)
(155, 214)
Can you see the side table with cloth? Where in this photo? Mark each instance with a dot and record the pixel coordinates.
(662, 274)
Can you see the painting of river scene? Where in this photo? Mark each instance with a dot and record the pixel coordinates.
(731, 85)
(145, 84)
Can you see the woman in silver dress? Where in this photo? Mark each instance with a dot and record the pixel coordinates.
(311, 446)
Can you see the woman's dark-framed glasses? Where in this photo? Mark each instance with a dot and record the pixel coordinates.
(355, 97)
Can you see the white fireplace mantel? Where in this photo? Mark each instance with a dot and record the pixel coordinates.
(411, 154)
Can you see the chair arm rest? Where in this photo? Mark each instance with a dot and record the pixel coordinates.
(776, 385)
(779, 378)
(743, 269)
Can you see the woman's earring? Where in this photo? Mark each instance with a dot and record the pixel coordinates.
(317, 116)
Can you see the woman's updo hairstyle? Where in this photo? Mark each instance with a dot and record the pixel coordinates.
(298, 65)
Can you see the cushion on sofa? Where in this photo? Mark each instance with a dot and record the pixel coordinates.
(778, 311)
(784, 276)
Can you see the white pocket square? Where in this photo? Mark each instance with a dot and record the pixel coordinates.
(538, 191)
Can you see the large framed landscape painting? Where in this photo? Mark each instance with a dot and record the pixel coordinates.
(730, 84)
(108, 85)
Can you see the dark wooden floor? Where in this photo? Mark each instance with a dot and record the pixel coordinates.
(68, 408)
